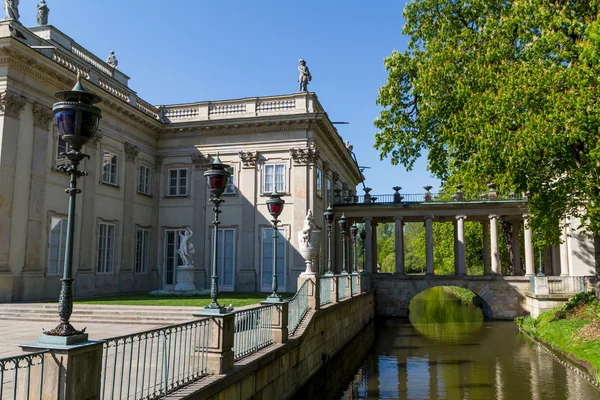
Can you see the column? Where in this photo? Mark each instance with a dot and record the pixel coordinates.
(529, 267)
(461, 247)
(129, 188)
(199, 218)
(374, 245)
(486, 246)
(516, 247)
(455, 250)
(564, 250)
(494, 244)
(399, 246)
(429, 244)
(368, 245)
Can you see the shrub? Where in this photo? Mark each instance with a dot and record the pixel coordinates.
(527, 323)
(579, 298)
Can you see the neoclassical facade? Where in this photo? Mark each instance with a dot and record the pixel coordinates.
(145, 182)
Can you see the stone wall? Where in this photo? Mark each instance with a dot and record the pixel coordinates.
(278, 371)
(504, 297)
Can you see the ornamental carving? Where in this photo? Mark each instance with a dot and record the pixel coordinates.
(304, 156)
(158, 163)
(131, 151)
(42, 116)
(249, 158)
(200, 160)
(11, 104)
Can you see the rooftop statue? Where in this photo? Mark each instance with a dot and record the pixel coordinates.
(42, 13)
(12, 9)
(304, 77)
(112, 60)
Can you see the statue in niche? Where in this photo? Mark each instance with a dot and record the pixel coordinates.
(186, 248)
(42, 13)
(304, 77)
(12, 9)
(112, 60)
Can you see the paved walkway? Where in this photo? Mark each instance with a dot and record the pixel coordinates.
(13, 333)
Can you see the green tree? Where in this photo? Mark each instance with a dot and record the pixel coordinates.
(502, 92)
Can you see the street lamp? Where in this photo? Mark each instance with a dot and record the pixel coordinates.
(343, 225)
(216, 178)
(275, 207)
(363, 237)
(77, 120)
(354, 233)
(329, 215)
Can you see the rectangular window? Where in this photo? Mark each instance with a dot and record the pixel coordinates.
(226, 258)
(231, 189)
(267, 259)
(328, 192)
(106, 247)
(274, 178)
(110, 164)
(142, 250)
(57, 245)
(319, 182)
(61, 148)
(178, 182)
(172, 258)
(145, 180)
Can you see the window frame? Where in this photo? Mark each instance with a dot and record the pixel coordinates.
(109, 261)
(176, 257)
(329, 189)
(178, 187)
(58, 159)
(61, 263)
(283, 241)
(319, 182)
(145, 251)
(231, 182)
(110, 173)
(274, 181)
(221, 258)
(148, 178)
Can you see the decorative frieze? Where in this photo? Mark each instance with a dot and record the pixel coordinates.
(131, 151)
(42, 116)
(304, 156)
(200, 160)
(11, 104)
(249, 158)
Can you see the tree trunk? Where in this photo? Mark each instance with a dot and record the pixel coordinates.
(507, 232)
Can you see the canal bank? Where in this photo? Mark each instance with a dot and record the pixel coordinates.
(447, 351)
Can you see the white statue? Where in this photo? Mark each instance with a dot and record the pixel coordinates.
(42, 13)
(112, 60)
(12, 9)
(309, 240)
(309, 225)
(186, 248)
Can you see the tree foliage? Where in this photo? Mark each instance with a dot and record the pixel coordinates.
(503, 92)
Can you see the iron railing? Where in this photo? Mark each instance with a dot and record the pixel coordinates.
(252, 331)
(325, 290)
(353, 284)
(408, 198)
(342, 285)
(566, 284)
(152, 364)
(14, 385)
(297, 308)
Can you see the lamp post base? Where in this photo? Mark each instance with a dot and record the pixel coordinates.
(64, 329)
(213, 311)
(63, 340)
(273, 298)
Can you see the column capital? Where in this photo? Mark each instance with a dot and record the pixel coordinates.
(131, 151)
(398, 219)
(493, 216)
(370, 219)
(248, 158)
(12, 104)
(42, 116)
(461, 216)
(426, 217)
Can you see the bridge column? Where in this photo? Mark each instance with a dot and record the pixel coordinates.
(429, 244)
(368, 244)
(399, 246)
(564, 250)
(461, 246)
(516, 247)
(456, 252)
(374, 246)
(486, 246)
(494, 244)
(529, 266)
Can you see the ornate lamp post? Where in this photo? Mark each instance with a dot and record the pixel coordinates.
(77, 120)
(275, 207)
(354, 233)
(216, 178)
(363, 237)
(329, 215)
(343, 225)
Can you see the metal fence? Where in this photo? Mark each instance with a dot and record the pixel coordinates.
(566, 284)
(297, 308)
(252, 331)
(21, 377)
(325, 290)
(342, 285)
(407, 198)
(152, 364)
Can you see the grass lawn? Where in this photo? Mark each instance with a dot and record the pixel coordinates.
(237, 299)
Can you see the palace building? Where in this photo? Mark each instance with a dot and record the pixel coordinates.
(146, 183)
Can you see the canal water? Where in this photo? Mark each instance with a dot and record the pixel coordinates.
(445, 351)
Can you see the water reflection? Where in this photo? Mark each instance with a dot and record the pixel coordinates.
(457, 356)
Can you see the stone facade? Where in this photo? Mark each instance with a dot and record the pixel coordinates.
(145, 179)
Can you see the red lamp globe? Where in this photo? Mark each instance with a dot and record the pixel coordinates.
(275, 204)
(217, 177)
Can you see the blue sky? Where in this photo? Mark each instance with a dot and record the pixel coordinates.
(185, 51)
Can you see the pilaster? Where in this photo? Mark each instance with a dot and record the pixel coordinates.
(201, 163)
(129, 188)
